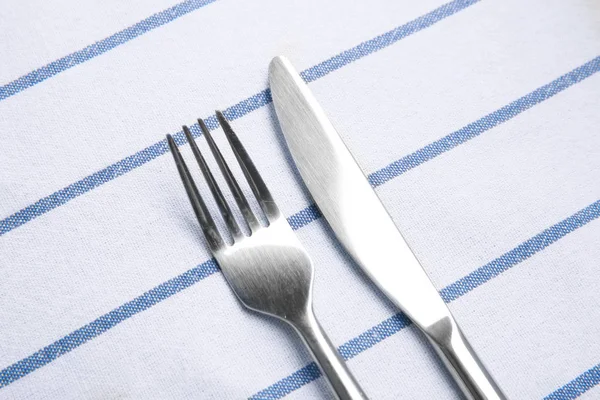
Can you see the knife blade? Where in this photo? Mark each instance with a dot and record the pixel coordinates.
(365, 229)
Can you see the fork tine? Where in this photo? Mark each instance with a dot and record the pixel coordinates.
(231, 182)
(214, 188)
(259, 188)
(213, 237)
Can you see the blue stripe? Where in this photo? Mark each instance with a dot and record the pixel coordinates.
(384, 40)
(451, 292)
(577, 386)
(238, 110)
(519, 253)
(485, 123)
(100, 47)
(106, 322)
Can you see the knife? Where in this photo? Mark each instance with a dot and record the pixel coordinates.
(366, 230)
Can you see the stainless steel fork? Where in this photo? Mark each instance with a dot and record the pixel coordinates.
(269, 270)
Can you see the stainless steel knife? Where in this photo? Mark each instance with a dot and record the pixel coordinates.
(365, 229)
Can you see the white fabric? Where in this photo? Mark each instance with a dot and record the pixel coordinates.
(535, 326)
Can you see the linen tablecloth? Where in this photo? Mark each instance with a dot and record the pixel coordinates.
(476, 121)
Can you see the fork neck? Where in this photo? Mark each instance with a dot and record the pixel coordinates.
(337, 374)
(303, 320)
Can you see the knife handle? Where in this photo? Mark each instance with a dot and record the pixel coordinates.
(327, 357)
(462, 362)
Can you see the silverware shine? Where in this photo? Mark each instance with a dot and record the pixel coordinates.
(268, 270)
(365, 229)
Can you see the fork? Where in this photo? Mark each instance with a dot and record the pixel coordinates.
(268, 270)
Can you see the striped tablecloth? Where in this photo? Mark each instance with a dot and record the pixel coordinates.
(477, 122)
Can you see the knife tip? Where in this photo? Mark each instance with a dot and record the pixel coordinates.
(277, 63)
(279, 59)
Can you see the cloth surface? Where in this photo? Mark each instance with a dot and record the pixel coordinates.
(476, 121)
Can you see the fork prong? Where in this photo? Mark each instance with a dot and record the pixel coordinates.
(214, 188)
(259, 188)
(213, 237)
(231, 181)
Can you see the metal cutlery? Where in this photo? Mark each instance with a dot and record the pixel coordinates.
(365, 229)
(268, 270)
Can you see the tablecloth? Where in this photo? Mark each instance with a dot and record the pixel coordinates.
(477, 123)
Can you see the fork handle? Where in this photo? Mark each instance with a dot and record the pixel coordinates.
(327, 357)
